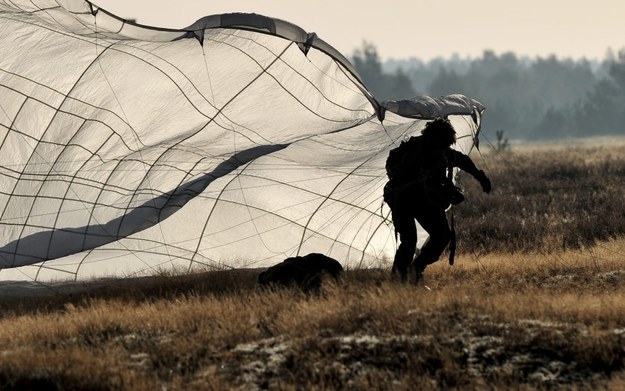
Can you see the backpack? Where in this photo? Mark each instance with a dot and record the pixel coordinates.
(442, 194)
(395, 161)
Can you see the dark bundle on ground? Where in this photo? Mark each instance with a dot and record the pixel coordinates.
(305, 272)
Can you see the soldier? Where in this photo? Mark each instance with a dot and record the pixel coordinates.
(420, 188)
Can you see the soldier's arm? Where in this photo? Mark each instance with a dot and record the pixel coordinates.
(463, 162)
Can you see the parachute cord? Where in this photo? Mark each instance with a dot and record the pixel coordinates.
(19, 269)
(75, 273)
(208, 75)
(481, 265)
(554, 257)
(499, 154)
(394, 141)
(602, 246)
(383, 202)
(385, 218)
(387, 133)
(42, 158)
(2, 256)
(138, 144)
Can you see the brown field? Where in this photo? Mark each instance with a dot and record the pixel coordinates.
(536, 300)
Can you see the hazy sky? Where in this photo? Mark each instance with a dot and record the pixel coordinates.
(421, 28)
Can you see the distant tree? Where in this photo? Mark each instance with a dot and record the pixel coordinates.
(617, 71)
(517, 92)
(447, 82)
(603, 110)
(540, 98)
(383, 85)
(401, 85)
(598, 112)
(368, 64)
(556, 123)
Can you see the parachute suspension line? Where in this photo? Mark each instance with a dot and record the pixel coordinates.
(138, 146)
(239, 172)
(137, 139)
(481, 265)
(394, 141)
(550, 255)
(238, 169)
(596, 256)
(2, 256)
(367, 223)
(249, 212)
(385, 219)
(517, 182)
(319, 207)
(237, 177)
(49, 164)
(42, 266)
(208, 75)
(499, 154)
(387, 133)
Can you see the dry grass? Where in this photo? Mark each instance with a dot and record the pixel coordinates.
(501, 318)
(546, 198)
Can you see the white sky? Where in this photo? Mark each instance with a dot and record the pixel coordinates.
(421, 28)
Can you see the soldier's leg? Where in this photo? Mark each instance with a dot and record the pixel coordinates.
(407, 232)
(434, 221)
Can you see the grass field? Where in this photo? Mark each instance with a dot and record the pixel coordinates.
(536, 300)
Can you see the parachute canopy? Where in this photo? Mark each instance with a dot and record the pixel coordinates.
(236, 142)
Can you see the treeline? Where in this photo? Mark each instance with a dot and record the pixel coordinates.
(540, 98)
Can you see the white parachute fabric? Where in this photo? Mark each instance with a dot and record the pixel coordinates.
(236, 142)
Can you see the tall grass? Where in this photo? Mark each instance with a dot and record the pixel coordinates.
(545, 199)
(516, 311)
